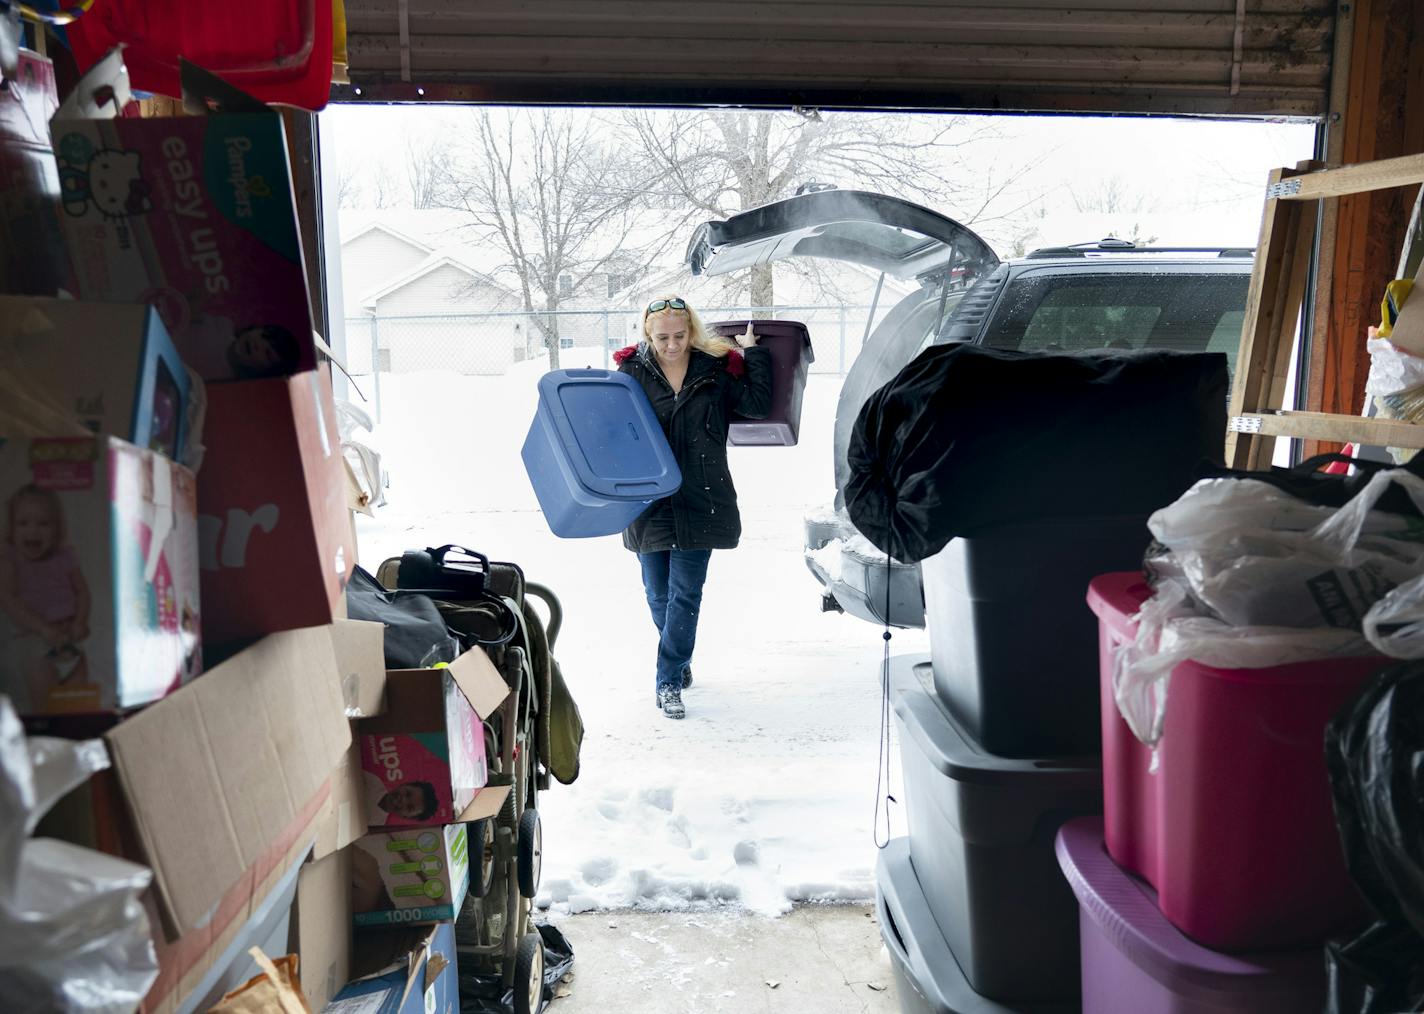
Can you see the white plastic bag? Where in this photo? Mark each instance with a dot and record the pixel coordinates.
(1392, 369)
(363, 463)
(1253, 578)
(1254, 556)
(1395, 626)
(73, 934)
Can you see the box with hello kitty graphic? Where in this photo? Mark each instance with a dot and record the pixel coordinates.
(193, 215)
(99, 606)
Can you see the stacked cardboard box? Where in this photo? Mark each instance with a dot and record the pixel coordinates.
(176, 505)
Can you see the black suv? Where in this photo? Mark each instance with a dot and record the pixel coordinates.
(1109, 294)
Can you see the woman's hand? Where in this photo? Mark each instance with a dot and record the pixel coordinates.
(748, 339)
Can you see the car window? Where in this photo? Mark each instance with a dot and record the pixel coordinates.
(1159, 310)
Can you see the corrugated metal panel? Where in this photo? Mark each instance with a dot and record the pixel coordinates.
(1192, 56)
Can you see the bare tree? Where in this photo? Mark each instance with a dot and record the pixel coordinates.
(348, 186)
(724, 161)
(557, 202)
(1120, 201)
(1111, 197)
(384, 190)
(427, 164)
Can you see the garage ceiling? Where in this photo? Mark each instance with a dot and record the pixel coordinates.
(1256, 57)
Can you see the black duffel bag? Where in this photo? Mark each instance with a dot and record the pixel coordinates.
(966, 439)
(416, 633)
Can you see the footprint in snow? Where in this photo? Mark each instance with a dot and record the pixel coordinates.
(598, 871)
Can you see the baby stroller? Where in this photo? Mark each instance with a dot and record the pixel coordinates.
(489, 604)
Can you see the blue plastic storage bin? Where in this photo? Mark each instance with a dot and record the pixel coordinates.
(595, 453)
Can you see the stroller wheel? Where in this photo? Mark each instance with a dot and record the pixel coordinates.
(531, 853)
(482, 854)
(529, 975)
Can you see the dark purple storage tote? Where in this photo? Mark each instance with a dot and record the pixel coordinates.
(791, 358)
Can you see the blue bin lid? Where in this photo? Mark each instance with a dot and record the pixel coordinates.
(611, 437)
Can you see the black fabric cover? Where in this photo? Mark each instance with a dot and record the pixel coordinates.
(1305, 482)
(968, 438)
(414, 626)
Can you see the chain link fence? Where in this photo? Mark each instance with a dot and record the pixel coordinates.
(490, 344)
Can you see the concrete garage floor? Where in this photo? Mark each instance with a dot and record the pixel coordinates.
(823, 959)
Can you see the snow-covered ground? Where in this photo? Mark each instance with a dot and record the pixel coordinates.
(765, 794)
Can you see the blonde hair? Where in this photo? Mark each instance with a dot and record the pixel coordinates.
(697, 331)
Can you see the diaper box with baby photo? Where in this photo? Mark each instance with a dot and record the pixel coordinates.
(112, 366)
(424, 761)
(191, 214)
(99, 607)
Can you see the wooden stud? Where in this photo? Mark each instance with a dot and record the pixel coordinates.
(1338, 429)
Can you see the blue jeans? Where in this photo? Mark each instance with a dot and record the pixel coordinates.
(673, 582)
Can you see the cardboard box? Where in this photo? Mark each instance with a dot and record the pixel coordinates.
(361, 661)
(198, 967)
(403, 972)
(417, 875)
(193, 214)
(32, 256)
(222, 777)
(100, 608)
(110, 365)
(424, 759)
(274, 534)
(221, 790)
(321, 933)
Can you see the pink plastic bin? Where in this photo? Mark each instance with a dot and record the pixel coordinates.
(1235, 829)
(1135, 962)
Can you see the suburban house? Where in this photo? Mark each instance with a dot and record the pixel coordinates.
(421, 293)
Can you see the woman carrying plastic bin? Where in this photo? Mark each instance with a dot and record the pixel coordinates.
(695, 383)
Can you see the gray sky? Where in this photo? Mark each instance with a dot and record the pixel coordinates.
(1188, 182)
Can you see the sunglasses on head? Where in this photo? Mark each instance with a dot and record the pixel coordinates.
(659, 305)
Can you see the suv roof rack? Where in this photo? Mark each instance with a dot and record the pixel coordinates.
(1111, 245)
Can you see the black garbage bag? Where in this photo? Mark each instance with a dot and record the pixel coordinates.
(1375, 753)
(484, 994)
(968, 438)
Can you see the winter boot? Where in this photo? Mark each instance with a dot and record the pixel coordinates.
(670, 701)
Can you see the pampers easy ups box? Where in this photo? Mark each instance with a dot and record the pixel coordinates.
(192, 214)
(424, 760)
(98, 575)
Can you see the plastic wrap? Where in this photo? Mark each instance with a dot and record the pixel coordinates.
(73, 933)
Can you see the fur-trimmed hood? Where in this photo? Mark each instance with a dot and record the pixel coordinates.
(736, 362)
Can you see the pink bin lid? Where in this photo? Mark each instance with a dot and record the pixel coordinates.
(1117, 598)
(1126, 911)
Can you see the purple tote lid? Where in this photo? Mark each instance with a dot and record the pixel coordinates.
(1125, 909)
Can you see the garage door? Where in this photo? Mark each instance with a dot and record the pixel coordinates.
(1177, 56)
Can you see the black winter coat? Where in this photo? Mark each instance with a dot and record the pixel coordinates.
(703, 513)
